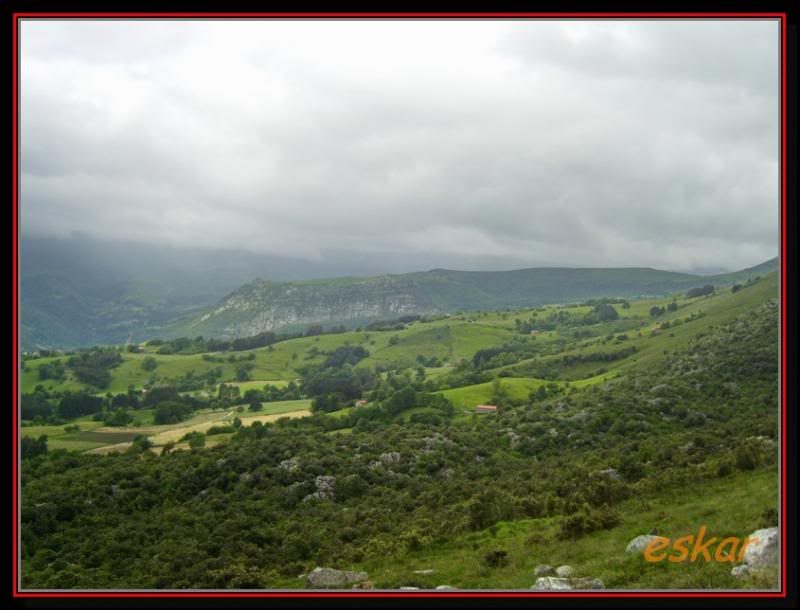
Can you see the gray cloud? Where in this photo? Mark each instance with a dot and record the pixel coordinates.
(626, 143)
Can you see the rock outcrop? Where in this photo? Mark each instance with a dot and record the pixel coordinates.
(761, 553)
(554, 583)
(639, 544)
(544, 570)
(565, 571)
(329, 578)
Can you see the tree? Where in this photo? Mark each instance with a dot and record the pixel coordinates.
(149, 363)
(74, 405)
(35, 406)
(161, 394)
(171, 412)
(197, 440)
(141, 443)
(656, 311)
(51, 370)
(605, 312)
(499, 392)
(119, 417)
(672, 306)
(228, 392)
(700, 291)
(31, 447)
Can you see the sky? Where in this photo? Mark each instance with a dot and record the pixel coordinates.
(461, 144)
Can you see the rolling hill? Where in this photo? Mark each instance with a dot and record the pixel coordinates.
(266, 305)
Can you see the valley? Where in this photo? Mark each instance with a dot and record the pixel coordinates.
(668, 392)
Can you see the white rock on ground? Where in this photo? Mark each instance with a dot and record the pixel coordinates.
(551, 583)
(328, 578)
(587, 583)
(639, 544)
(544, 570)
(565, 571)
(762, 551)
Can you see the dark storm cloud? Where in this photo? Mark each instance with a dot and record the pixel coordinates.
(581, 143)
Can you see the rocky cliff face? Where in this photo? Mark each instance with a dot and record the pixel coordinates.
(262, 306)
(265, 305)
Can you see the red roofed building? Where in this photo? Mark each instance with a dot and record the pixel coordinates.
(361, 403)
(485, 409)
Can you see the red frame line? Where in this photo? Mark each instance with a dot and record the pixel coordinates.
(233, 16)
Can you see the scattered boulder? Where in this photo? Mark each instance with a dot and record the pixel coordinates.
(550, 583)
(367, 584)
(445, 588)
(544, 570)
(392, 457)
(639, 544)
(290, 464)
(423, 571)
(742, 571)
(587, 583)
(446, 473)
(409, 588)
(325, 485)
(762, 551)
(565, 571)
(611, 473)
(329, 578)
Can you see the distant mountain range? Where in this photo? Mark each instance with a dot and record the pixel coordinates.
(264, 305)
(82, 291)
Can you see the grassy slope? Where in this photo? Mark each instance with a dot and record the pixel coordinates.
(731, 506)
(353, 299)
(450, 339)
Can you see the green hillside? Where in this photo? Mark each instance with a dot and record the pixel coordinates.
(265, 305)
(245, 469)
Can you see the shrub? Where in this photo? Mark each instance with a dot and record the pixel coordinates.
(769, 518)
(724, 468)
(588, 520)
(495, 559)
(746, 457)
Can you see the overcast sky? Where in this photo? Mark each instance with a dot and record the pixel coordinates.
(492, 143)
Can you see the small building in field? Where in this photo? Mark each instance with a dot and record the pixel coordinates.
(485, 409)
(361, 403)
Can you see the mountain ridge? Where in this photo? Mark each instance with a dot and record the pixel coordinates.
(263, 305)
